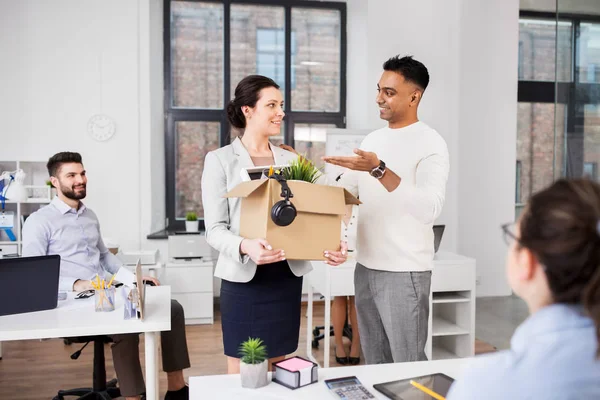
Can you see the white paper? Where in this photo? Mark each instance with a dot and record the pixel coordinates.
(125, 276)
(306, 375)
(7, 220)
(74, 304)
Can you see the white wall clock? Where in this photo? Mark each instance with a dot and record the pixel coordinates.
(101, 127)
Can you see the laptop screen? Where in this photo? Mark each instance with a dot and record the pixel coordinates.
(28, 284)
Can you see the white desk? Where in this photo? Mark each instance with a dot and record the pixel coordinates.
(451, 332)
(229, 386)
(149, 269)
(70, 319)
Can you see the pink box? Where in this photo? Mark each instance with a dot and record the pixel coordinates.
(295, 372)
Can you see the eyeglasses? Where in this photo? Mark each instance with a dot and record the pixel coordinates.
(509, 233)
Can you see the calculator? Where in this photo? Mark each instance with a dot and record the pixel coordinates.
(348, 388)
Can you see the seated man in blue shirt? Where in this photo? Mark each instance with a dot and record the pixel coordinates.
(66, 227)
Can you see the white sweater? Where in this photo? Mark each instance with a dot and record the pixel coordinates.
(394, 230)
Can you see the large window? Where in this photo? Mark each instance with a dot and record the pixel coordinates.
(559, 95)
(211, 45)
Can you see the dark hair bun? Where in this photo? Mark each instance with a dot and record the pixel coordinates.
(235, 116)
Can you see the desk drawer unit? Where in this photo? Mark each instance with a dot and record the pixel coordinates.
(192, 285)
(189, 279)
(453, 277)
(198, 307)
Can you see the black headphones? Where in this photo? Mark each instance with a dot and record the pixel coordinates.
(283, 212)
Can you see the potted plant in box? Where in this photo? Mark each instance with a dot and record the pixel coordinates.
(301, 169)
(191, 222)
(253, 363)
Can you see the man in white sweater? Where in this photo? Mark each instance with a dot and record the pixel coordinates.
(401, 199)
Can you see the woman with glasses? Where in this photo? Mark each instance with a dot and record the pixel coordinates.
(553, 264)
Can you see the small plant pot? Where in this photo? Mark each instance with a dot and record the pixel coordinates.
(191, 226)
(254, 375)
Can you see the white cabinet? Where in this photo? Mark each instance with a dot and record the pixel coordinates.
(192, 285)
(452, 316)
(39, 195)
(451, 332)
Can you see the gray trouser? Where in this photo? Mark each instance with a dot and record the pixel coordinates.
(126, 353)
(393, 312)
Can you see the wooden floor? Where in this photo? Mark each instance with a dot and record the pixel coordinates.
(37, 369)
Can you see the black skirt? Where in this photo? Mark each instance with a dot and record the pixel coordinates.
(267, 307)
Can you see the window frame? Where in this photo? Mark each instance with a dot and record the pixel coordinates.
(571, 93)
(173, 115)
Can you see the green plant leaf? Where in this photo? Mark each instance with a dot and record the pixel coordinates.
(301, 169)
(191, 216)
(253, 351)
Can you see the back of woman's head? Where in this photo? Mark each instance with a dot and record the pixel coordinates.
(247, 93)
(561, 226)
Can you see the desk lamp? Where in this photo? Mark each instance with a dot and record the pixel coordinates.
(14, 190)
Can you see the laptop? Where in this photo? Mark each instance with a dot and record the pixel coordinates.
(28, 284)
(438, 232)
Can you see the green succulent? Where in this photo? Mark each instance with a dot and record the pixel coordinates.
(191, 216)
(253, 351)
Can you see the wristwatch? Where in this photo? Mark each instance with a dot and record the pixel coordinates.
(378, 171)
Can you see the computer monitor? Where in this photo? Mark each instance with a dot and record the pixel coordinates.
(29, 284)
(438, 232)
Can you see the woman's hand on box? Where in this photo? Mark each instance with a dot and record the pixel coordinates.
(260, 251)
(336, 258)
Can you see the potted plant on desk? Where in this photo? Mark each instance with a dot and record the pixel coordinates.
(253, 363)
(191, 222)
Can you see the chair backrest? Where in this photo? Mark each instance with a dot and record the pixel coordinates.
(28, 284)
(438, 232)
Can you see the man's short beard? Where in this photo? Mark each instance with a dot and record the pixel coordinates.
(71, 194)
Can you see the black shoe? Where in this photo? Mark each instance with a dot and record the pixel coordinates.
(354, 360)
(181, 394)
(340, 360)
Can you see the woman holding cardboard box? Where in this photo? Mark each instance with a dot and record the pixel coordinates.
(260, 291)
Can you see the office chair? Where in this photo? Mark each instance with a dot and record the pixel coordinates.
(101, 389)
(317, 335)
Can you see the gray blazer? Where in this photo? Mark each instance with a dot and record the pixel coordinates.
(222, 172)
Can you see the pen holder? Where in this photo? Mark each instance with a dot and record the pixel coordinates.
(105, 299)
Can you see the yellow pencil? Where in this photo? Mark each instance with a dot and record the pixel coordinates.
(111, 279)
(426, 390)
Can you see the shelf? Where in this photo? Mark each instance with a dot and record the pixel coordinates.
(442, 327)
(5, 242)
(30, 201)
(449, 297)
(439, 353)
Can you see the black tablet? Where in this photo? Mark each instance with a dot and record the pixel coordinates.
(404, 390)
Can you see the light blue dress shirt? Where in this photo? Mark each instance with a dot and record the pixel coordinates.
(552, 356)
(75, 236)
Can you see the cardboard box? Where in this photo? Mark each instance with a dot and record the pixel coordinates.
(317, 226)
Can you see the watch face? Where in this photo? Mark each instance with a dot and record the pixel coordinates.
(377, 173)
